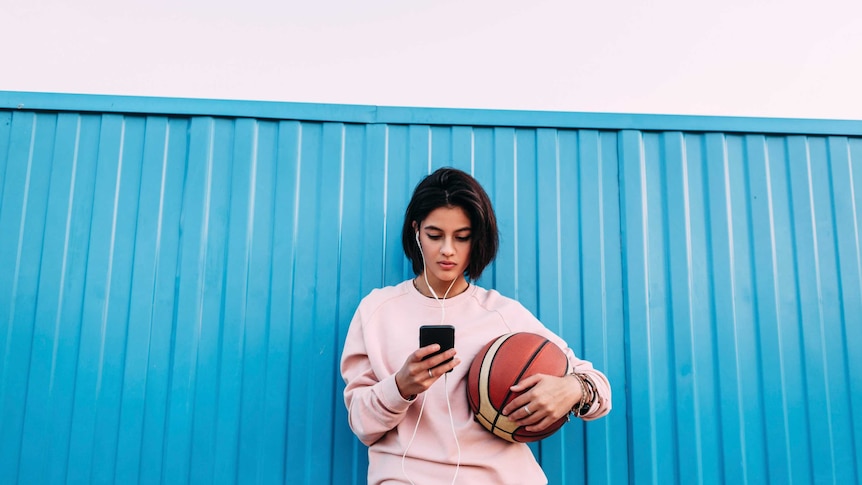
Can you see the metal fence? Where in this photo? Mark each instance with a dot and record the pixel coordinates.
(177, 277)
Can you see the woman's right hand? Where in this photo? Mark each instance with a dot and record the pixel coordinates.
(417, 375)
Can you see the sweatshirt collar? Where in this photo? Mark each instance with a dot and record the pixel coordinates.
(424, 300)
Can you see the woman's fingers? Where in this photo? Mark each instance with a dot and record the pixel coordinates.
(439, 359)
(417, 375)
(423, 352)
(438, 370)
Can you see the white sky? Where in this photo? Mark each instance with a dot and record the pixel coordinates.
(771, 58)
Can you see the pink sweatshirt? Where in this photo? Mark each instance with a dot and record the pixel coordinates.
(384, 331)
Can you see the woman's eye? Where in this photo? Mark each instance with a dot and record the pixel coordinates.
(463, 238)
(434, 237)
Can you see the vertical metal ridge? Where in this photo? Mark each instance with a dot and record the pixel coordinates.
(797, 209)
(558, 242)
(749, 161)
(854, 202)
(728, 200)
(711, 142)
(856, 421)
(164, 426)
(64, 263)
(776, 307)
(515, 226)
(5, 147)
(689, 294)
(19, 248)
(634, 223)
(603, 275)
(153, 290)
(14, 295)
(833, 155)
(202, 252)
(122, 360)
(644, 234)
(252, 193)
(665, 296)
(603, 256)
(339, 261)
(819, 289)
(384, 235)
(110, 258)
(243, 325)
(472, 153)
(295, 156)
(287, 170)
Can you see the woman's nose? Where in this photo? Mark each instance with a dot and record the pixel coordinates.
(447, 247)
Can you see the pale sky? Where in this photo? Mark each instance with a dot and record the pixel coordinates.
(763, 58)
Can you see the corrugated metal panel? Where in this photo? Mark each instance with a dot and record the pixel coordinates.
(175, 290)
(742, 278)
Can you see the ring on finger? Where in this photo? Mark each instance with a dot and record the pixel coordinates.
(527, 410)
(430, 374)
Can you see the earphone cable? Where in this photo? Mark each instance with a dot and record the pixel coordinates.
(415, 429)
(445, 378)
(452, 424)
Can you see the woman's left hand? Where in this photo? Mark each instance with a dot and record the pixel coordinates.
(544, 401)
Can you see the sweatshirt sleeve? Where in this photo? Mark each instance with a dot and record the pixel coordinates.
(374, 404)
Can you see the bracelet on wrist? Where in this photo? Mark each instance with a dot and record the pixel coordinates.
(589, 394)
(576, 409)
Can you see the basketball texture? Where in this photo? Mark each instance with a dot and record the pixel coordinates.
(501, 364)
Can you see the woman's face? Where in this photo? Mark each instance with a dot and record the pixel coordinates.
(445, 237)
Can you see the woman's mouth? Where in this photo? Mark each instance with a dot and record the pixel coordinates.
(447, 265)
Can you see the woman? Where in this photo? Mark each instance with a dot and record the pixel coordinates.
(418, 426)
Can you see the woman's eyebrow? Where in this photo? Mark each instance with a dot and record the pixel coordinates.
(435, 228)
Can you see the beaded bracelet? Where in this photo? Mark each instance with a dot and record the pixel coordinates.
(587, 389)
(577, 408)
(593, 395)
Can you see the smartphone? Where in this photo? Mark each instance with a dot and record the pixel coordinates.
(437, 334)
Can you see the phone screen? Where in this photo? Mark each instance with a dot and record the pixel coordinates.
(437, 334)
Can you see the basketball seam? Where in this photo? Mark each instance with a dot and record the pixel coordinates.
(524, 369)
(488, 413)
(494, 427)
(497, 414)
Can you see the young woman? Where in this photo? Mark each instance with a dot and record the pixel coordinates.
(413, 413)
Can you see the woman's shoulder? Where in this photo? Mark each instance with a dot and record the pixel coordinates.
(496, 301)
(517, 317)
(379, 296)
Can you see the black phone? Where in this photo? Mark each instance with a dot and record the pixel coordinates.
(437, 334)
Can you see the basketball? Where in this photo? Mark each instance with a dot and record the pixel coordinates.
(501, 364)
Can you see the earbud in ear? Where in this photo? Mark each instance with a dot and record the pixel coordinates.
(417, 239)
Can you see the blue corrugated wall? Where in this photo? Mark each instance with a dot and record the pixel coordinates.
(177, 277)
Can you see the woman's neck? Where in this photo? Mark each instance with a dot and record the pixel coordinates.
(459, 286)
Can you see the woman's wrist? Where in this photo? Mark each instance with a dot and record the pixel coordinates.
(406, 397)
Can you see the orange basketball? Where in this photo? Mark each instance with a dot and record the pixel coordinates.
(501, 364)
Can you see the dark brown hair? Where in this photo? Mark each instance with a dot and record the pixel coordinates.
(450, 187)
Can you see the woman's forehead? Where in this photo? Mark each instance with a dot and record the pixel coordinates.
(448, 218)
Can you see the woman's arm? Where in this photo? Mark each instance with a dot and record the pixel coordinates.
(374, 406)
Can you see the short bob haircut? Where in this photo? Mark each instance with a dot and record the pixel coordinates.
(450, 187)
